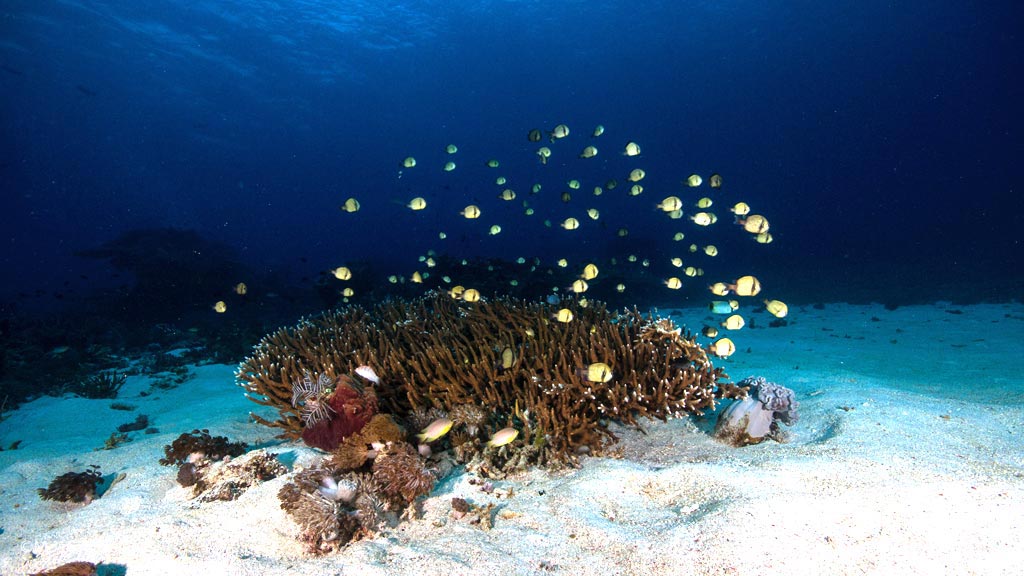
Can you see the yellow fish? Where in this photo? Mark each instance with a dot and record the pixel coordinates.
(740, 209)
(350, 205)
(754, 223)
(502, 437)
(342, 273)
(409, 162)
(220, 307)
(598, 372)
(746, 286)
(435, 430)
(776, 308)
(417, 203)
(734, 322)
(564, 316)
(723, 348)
(471, 295)
(701, 219)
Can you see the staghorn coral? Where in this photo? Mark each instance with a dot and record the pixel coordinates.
(438, 353)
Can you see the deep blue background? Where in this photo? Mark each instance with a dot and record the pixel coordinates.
(883, 139)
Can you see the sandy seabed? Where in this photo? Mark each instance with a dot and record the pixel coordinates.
(907, 459)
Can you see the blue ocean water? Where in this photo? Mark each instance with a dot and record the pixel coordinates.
(881, 138)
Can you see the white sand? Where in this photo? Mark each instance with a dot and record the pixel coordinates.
(907, 459)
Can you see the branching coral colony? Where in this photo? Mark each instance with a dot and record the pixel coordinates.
(488, 365)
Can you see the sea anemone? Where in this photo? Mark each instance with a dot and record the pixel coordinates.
(401, 474)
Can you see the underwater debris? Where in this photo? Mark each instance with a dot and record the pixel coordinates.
(479, 516)
(756, 417)
(115, 440)
(438, 353)
(77, 487)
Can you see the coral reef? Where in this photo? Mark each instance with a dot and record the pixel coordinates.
(77, 487)
(757, 417)
(507, 357)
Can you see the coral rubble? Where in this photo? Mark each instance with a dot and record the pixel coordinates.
(490, 364)
(229, 478)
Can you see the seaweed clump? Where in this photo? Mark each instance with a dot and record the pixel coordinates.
(194, 453)
(99, 385)
(200, 442)
(76, 487)
(507, 358)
